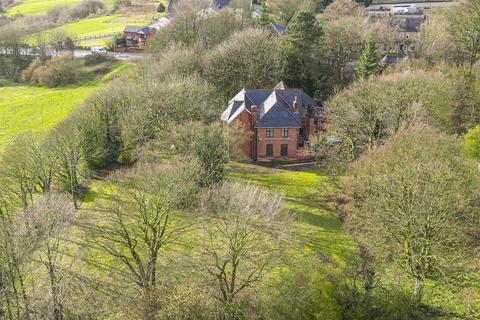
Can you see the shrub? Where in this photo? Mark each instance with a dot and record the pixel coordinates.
(472, 143)
(27, 74)
(58, 71)
(119, 39)
(95, 59)
(86, 8)
(161, 8)
(65, 13)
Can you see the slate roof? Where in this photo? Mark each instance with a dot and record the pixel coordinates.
(136, 29)
(279, 30)
(274, 107)
(219, 4)
(409, 24)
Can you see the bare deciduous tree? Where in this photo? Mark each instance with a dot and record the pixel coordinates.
(67, 143)
(243, 235)
(139, 222)
(42, 228)
(464, 20)
(411, 204)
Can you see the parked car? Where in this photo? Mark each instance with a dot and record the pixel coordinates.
(98, 49)
(405, 9)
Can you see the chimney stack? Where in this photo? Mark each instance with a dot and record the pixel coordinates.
(254, 147)
(254, 115)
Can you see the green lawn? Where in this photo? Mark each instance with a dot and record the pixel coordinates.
(317, 227)
(34, 108)
(39, 7)
(102, 25)
(98, 26)
(26, 108)
(318, 230)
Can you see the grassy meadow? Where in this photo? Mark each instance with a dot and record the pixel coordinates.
(27, 108)
(35, 108)
(39, 7)
(102, 25)
(318, 229)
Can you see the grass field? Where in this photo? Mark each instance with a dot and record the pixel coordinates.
(39, 7)
(102, 25)
(318, 229)
(32, 108)
(26, 108)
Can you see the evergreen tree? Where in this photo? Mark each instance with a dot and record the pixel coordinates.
(303, 33)
(369, 61)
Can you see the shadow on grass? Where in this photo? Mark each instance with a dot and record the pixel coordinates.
(327, 222)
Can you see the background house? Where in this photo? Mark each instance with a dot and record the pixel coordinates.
(407, 18)
(137, 37)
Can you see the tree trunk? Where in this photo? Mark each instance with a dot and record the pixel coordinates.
(57, 307)
(418, 292)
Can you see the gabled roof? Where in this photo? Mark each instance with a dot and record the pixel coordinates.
(137, 29)
(219, 4)
(279, 30)
(275, 107)
(409, 24)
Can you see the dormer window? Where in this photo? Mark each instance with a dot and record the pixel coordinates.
(284, 133)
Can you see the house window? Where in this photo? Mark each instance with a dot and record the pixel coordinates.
(284, 133)
(269, 150)
(284, 150)
(269, 133)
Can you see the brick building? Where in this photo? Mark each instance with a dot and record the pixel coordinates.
(137, 37)
(280, 122)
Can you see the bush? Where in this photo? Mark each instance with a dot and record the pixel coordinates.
(86, 8)
(95, 59)
(119, 39)
(122, 3)
(472, 143)
(161, 8)
(65, 13)
(58, 71)
(27, 74)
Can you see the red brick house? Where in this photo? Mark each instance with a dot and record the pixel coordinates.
(137, 37)
(280, 122)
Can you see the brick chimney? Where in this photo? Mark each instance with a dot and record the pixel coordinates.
(295, 104)
(254, 111)
(254, 116)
